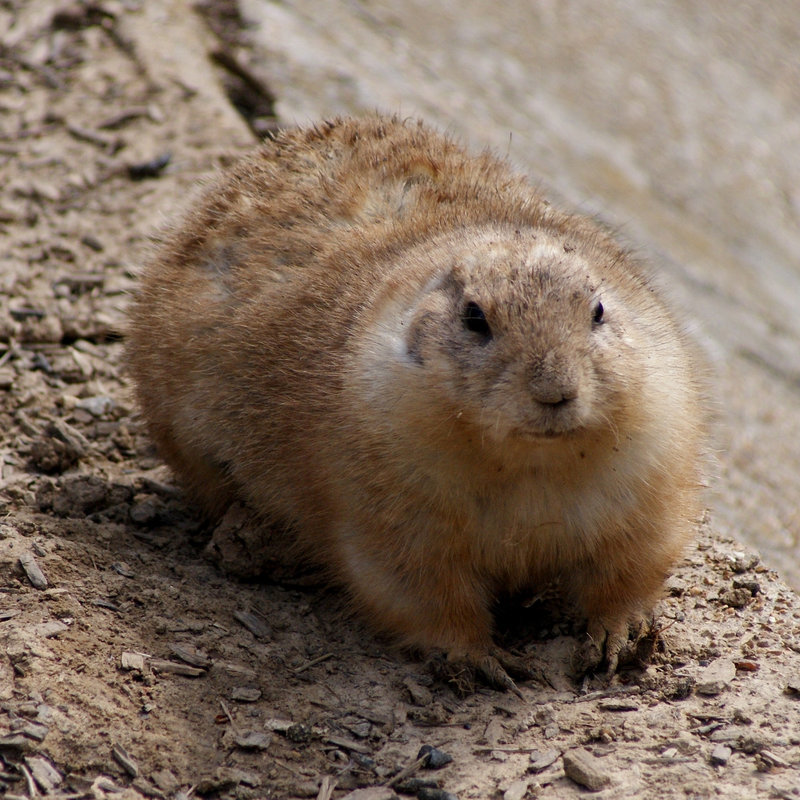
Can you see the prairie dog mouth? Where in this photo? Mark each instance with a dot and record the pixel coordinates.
(549, 434)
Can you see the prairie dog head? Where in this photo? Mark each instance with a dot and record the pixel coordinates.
(516, 334)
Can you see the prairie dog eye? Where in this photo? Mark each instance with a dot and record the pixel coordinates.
(597, 314)
(475, 321)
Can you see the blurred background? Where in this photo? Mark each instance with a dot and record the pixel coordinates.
(676, 122)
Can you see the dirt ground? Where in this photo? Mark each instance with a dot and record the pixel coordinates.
(130, 664)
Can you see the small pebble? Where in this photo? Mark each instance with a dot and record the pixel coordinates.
(720, 755)
(583, 768)
(542, 759)
(51, 629)
(716, 677)
(149, 169)
(96, 406)
(551, 731)
(517, 790)
(436, 758)
(32, 571)
(245, 694)
(420, 696)
(416, 785)
(736, 598)
(224, 778)
(435, 794)
(793, 687)
(253, 740)
(754, 587)
(145, 511)
(742, 562)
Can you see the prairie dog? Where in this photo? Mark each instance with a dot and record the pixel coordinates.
(443, 387)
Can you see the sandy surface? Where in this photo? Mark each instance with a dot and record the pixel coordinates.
(131, 663)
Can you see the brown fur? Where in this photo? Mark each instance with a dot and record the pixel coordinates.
(300, 343)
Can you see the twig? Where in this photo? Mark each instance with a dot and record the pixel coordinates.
(409, 770)
(326, 788)
(312, 663)
(488, 749)
(228, 714)
(32, 790)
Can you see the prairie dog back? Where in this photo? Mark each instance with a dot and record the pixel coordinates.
(444, 388)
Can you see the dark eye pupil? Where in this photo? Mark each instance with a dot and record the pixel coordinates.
(475, 320)
(597, 317)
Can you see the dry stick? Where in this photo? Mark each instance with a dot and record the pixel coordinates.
(312, 663)
(8, 353)
(229, 716)
(32, 791)
(326, 788)
(409, 770)
(294, 772)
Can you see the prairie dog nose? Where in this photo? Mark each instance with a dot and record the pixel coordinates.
(553, 394)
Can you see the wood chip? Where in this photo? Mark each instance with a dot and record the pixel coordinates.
(121, 568)
(278, 725)
(32, 571)
(101, 603)
(72, 437)
(122, 758)
(614, 704)
(133, 661)
(49, 630)
(237, 671)
(34, 730)
(16, 741)
(420, 695)
(774, 760)
(173, 667)
(8, 613)
(252, 740)
(349, 744)
(254, 624)
(44, 773)
(191, 655)
(111, 143)
(245, 694)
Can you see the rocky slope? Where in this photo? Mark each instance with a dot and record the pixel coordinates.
(128, 663)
